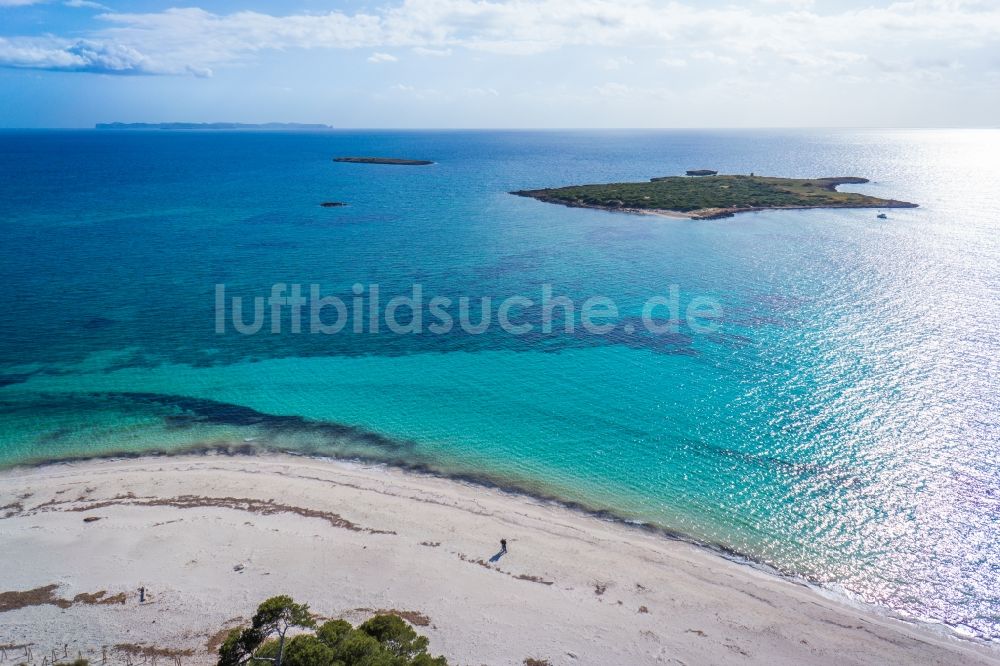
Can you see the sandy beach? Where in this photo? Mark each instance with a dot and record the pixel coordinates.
(210, 536)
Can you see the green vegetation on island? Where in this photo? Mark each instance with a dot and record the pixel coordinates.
(709, 197)
(285, 633)
(382, 160)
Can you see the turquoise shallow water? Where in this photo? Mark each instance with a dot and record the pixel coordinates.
(841, 423)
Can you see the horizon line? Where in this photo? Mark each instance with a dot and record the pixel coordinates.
(346, 128)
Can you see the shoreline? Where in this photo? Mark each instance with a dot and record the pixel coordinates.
(490, 483)
(720, 213)
(560, 558)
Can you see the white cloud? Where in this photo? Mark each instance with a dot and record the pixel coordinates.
(19, 3)
(382, 57)
(73, 56)
(773, 36)
(86, 4)
(423, 51)
(794, 4)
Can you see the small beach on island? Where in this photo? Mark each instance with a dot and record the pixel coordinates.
(210, 536)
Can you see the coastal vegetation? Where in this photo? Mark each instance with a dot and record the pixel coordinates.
(382, 160)
(286, 633)
(707, 197)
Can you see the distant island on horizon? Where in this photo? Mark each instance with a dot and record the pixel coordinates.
(211, 126)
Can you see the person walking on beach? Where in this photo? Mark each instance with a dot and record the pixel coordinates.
(503, 545)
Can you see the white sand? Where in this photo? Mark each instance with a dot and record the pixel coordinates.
(702, 609)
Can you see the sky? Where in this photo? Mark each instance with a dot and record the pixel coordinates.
(503, 63)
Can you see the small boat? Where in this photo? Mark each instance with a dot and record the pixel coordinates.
(882, 216)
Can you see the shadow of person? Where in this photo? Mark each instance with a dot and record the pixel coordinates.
(496, 558)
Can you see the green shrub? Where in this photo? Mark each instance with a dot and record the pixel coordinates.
(384, 640)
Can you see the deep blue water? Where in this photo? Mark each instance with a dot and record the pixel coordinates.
(840, 423)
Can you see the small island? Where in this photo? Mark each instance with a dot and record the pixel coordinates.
(711, 197)
(382, 160)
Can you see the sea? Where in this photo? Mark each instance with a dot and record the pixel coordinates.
(814, 391)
